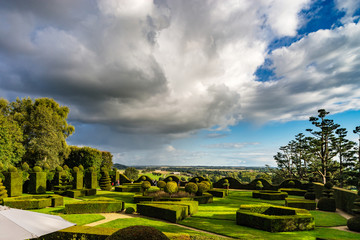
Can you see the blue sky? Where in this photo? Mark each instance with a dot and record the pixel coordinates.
(168, 82)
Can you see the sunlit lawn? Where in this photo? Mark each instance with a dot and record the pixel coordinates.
(217, 217)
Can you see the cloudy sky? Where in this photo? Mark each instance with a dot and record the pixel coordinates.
(190, 82)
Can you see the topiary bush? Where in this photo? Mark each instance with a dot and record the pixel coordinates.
(202, 187)
(3, 192)
(37, 169)
(191, 188)
(171, 187)
(129, 210)
(145, 185)
(161, 185)
(37, 182)
(310, 193)
(259, 185)
(13, 182)
(138, 233)
(354, 223)
(105, 181)
(327, 202)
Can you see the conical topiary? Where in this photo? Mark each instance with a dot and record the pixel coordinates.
(3, 192)
(105, 181)
(354, 223)
(310, 193)
(327, 202)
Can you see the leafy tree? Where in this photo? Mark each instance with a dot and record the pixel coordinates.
(45, 129)
(320, 143)
(85, 156)
(11, 137)
(131, 173)
(106, 159)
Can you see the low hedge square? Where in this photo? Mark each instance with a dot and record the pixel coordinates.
(300, 203)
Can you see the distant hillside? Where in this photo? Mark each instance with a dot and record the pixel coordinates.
(119, 166)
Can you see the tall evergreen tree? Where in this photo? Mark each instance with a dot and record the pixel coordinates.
(321, 142)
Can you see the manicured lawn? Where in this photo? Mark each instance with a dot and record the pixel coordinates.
(82, 219)
(162, 226)
(328, 219)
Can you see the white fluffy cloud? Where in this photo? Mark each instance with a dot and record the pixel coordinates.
(165, 69)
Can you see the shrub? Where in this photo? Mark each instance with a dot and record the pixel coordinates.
(76, 169)
(171, 187)
(3, 192)
(12, 169)
(145, 186)
(259, 185)
(59, 169)
(171, 213)
(191, 187)
(24, 166)
(138, 233)
(94, 206)
(129, 210)
(202, 187)
(37, 169)
(13, 182)
(37, 183)
(291, 184)
(354, 224)
(105, 181)
(161, 184)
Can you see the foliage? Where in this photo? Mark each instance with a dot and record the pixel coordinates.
(3, 192)
(131, 173)
(202, 187)
(45, 129)
(11, 137)
(106, 159)
(94, 206)
(145, 185)
(105, 181)
(138, 233)
(161, 184)
(171, 187)
(129, 210)
(85, 156)
(191, 187)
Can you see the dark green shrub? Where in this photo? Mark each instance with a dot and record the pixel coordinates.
(91, 178)
(37, 183)
(125, 188)
(34, 201)
(105, 181)
(78, 182)
(354, 222)
(259, 185)
(161, 184)
(191, 187)
(300, 203)
(218, 193)
(171, 187)
(327, 203)
(13, 182)
(94, 206)
(310, 193)
(25, 166)
(138, 233)
(129, 210)
(171, 213)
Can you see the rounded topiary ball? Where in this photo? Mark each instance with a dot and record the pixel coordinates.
(12, 169)
(59, 169)
(354, 224)
(76, 169)
(202, 187)
(207, 183)
(37, 169)
(171, 187)
(25, 166)
(161, 184)
(291, 183)
(138, 233)
(328, 185)
(191, 187)
(66, 168)
(170, 179)
(81, 167)
(226, 181)
(46, 166)
(129, 210)
(143, 178)
(91, 169)
(146, 185)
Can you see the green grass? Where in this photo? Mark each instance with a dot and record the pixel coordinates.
(328, 219)
(162, 226)
(82, 219)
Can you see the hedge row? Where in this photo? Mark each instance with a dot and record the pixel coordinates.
(235, 184)
(274, 218)
(34, 202)
(192, 205)
(80, 233)
(218, 193)
(128, 188)
(94, 206)
(300, 203)
(269, 195)
(171, 213)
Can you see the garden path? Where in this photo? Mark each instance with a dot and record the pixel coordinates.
(113, 216)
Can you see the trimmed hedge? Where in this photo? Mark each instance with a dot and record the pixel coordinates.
(203, 199)
(128, 188)
(274, 218)
(192, 205)
(218, 193)
(37, 183)
(171, 213)
(94, 206)
(300, 203)
(140, 198)
(34, 202)
(75, 193)
(269, 195)
(138, 232)
(147, 178)
(80, 233)
(13, 183)
(293, 191)
(78, 182)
